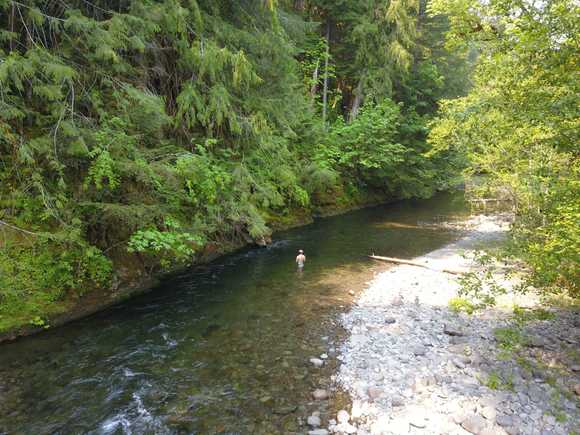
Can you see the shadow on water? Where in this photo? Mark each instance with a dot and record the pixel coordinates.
(221, 348)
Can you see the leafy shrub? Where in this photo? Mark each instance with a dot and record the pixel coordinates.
(522, 315)
(459, 305)
(170, 245)
(509, 338)
(367, 148)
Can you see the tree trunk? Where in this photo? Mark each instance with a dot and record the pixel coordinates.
(358, 99)
(414, 263)
(314, 86)
(325, 91)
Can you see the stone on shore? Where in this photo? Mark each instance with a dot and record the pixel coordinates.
(342, 416)
(418, 350)
(474, 424)
(320, 394)
(453, 330)
(374, 392)
(345, 428)
(397, 401)
(316, 362)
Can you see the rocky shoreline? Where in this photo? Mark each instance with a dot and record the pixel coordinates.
(413, 365)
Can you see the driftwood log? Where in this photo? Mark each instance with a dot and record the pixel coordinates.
(414, 263)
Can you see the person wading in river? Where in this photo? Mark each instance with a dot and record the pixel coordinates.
(300, 259)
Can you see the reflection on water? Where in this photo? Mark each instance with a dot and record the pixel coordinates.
(222, 348)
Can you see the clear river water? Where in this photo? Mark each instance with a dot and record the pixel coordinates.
(217, 349)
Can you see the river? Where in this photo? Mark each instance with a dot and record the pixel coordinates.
(222, 348)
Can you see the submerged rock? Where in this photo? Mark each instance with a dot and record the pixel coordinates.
(285, 410)
(314, 421)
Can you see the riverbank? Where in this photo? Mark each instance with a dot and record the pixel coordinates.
(132, 278)
(413, 365)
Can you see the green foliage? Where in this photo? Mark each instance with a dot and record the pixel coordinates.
(204, 179)
(367, 147)
(462, 305)
(383, 149)
(522, 315)
(36, 280)
(170, 246)
(495, 382)
(39, 322)
(482, 285)
(509, 338)
(519, 125)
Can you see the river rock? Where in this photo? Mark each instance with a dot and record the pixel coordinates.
(285, 410)
(397, 401)
(318, 432)
(390, 320)
(266, 399)
(576, 389)
(342, 416)
(418, 350)
(489, 412)
(374, 392)
(316, 362)
(474, 424)
(314, 421)
(453, 331)
(536, 341)
(320, 394)
(345, 428)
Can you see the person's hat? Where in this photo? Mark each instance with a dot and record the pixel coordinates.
(300, 251)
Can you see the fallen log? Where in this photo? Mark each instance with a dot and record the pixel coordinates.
(413, 263)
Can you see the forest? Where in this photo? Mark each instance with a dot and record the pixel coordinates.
(139, 136)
